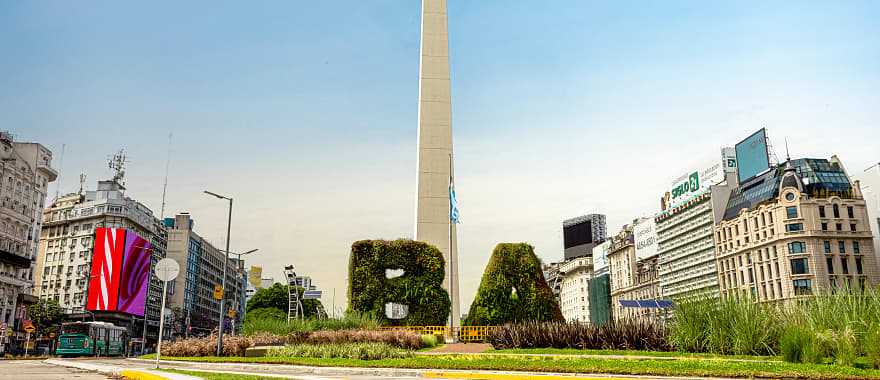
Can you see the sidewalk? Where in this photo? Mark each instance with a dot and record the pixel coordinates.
(125, 373)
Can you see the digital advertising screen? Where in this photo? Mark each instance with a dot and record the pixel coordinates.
(751, 156)
(120, 272)
(578, 234)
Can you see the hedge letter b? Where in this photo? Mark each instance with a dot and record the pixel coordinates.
(420, 287)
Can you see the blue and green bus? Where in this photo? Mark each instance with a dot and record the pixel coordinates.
(91, 339)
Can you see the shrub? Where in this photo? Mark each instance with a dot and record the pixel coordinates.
(724, 327)
(429, 341)
(420, 287)
(349, 321)
(232, 346)
(277, 297)
(513, 289)
(621, 335)
(872, 345)
(397, 338)
(362, 351)
(265, 313)
(796, 344)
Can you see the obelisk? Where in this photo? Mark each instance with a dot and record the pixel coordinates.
(433, 223)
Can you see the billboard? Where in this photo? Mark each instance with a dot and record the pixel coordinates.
(751, 156)
(695, 182)
(577, 234)
(600, 256)
(120, 272)
(645, 235)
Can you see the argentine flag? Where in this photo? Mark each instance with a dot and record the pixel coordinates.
(453, 202)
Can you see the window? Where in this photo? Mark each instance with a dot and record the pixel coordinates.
(797, 247)
(849, 212)
(852, 227)
(841, 246)
(799, 266)
(827, 246)
(821, 211)
(824, 226)
(836, 211)
(859, 265)
(829, 262)
(844, 265)
(789, 197)
(839, 226)
(802, 287)
(794, 227)
(856, 248)
(791, 212)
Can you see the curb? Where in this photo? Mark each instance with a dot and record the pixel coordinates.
(133, 374)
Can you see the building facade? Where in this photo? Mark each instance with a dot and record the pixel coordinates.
(574, 294)
(201, 269)
(554, 280)
(685, 229)
(25, 174)
(798, 230)
(632, 278)
(65, 255)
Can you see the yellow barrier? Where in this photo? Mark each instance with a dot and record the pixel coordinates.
(464, 333)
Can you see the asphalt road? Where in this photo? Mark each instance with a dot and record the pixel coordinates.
(38, 370)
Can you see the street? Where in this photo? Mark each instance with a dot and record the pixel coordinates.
(38, 369)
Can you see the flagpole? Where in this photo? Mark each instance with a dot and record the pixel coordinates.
(449, 262)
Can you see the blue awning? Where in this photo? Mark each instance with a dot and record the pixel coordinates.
(656, 304)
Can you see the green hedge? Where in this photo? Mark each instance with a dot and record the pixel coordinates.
(513, 289)
(420, 287)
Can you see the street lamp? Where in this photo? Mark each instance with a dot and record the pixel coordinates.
(241, 269)
(223, 280)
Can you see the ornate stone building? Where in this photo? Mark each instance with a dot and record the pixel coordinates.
(800, 229)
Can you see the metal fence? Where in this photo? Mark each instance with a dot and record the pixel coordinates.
(466, 334)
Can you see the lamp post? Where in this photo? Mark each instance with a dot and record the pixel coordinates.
(241, 269)
(223, 280)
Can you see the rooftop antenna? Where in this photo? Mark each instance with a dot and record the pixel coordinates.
(787, 156)
(770, 151)
(117, 165)
(165, 185)
(82, 183)
(60, 171)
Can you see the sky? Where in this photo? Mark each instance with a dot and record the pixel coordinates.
(306, 112)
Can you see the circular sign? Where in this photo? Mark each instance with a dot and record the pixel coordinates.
(167, 269)
(29, 329)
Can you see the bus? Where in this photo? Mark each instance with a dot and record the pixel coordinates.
(91, 339)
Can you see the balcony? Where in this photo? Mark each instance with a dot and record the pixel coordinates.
(15, 260)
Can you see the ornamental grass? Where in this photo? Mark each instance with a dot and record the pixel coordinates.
(615, 335)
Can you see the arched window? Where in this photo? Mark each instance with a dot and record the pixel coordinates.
(836, 210)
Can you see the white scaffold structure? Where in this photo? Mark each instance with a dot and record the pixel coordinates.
(294, 305)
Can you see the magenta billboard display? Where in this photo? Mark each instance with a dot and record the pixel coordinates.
(120, 272)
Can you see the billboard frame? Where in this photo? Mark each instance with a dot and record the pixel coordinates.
(739, 162)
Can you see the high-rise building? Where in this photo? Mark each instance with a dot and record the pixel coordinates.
(25, 172)
(574, 294)
(797, 230)
(201, 271)
(581, 234)
(66, 242)
(685, 225)
(435, 159)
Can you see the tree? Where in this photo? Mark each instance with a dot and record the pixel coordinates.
(420, 287)
(264, 313)
(46, 315)
(513, 289)
(277, 297)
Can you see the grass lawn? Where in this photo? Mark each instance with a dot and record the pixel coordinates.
(707, 367)
(659, 354)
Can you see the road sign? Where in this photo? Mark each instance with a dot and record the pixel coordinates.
(167, 269)
(218, 292)
(2, 327)
(311, 294)
(28, 325)
(231, 313)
